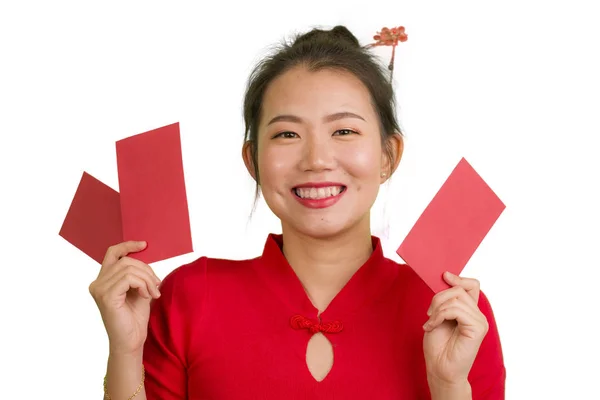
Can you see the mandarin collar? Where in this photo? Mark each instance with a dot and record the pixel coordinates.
(367, 284)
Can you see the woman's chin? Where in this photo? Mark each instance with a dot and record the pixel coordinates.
(321, 229)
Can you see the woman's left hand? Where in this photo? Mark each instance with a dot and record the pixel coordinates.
(454, 332)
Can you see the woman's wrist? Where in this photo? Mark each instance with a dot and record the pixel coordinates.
(124, 374)
(443, 390)
(130, 355)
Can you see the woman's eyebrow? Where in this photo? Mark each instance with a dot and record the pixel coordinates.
(328, 118)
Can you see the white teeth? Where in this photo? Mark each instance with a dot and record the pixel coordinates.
(318, 193)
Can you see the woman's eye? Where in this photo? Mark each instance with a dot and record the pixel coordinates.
(344, 132)
(286, 135)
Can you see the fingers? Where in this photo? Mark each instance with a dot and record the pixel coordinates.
(129, 277)
(127, 281)
(459, 303)
(471, 322)
(114, 253)
(471, 286)
(126, 261)
(456, 292)
(130, 267)
(125, 274)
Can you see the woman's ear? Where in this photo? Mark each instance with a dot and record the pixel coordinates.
(247, 152)
(392, 154)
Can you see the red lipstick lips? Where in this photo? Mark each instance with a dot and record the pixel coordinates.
(318, 194)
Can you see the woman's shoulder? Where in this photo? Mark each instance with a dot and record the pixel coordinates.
(203, 265)
(415, 288)
(407, 277)
(193, 276)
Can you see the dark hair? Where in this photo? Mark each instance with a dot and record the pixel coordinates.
(319, 49)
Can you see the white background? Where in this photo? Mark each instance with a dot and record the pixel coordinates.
(513, 86)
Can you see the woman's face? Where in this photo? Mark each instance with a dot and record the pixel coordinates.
(320, 158)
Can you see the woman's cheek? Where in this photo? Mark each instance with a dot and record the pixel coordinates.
(361, 161)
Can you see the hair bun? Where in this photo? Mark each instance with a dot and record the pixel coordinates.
(339, 35)
(342, 33)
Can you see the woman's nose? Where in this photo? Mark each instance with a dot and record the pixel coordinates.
(318, 154)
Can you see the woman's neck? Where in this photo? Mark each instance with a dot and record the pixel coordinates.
(325, 265)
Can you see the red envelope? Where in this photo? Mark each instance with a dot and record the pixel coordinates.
(93, 222)
(451, 227)
(154, 203)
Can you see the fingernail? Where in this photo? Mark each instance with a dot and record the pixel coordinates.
(429, 312)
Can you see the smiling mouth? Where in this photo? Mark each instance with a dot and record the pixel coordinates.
(313, 193)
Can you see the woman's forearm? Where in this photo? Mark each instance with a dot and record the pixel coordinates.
(124, 376)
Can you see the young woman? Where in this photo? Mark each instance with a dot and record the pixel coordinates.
(321, 314)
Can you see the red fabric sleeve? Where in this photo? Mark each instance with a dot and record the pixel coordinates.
(488, 374)
(164, 349)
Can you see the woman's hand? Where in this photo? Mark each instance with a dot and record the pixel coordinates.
(453, 333)
(123, 291)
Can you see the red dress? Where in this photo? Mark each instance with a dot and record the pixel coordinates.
(236, 330)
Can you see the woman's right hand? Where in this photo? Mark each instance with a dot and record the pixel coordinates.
(123, 291)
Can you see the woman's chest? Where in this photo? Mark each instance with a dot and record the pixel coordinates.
(265, 355)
